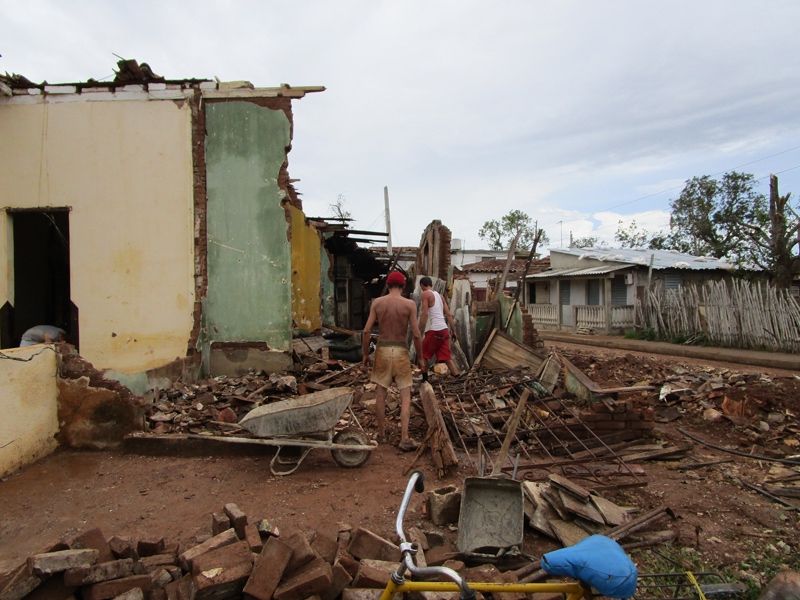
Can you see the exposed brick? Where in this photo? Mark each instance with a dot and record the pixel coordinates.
(223, 582)
(253, 538)
(365, 544)
(95, 539)
(348, 562)
(114, 569)
(374, 573)
(158, 560)
(237, 516)
(123, 548)
(340, 580)
(325, 546)
(268, 570)
(19, 583)
(219, 523)
(222, 558)
(223, 539)
(111, 589)
(180, 589)
(313, 578)
(137, 594)
(159, 578)
(302, 552)
(55, 562)
(436, 557)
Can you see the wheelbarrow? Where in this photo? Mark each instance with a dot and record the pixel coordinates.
(305, 423)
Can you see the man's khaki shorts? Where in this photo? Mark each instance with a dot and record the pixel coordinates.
(391, 363)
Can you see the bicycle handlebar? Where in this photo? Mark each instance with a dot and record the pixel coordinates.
(417, 483)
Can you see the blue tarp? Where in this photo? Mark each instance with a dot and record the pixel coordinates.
(597, 560)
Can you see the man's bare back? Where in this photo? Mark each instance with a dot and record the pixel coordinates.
(393, 314)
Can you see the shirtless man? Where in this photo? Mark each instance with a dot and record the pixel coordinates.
(435, 314)
(394, 314)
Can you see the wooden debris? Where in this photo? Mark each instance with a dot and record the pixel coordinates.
(444, 455)
(504, 352)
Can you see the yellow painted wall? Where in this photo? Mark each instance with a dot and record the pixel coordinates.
(29, 405)
(125, 169)
(306, 282)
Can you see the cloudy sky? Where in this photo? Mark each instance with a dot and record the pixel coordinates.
(580, 114)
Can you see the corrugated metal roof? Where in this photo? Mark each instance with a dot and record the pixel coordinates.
(579, 272)
(662, 259)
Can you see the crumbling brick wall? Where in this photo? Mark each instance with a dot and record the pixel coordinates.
(602, 420)
(433, 258)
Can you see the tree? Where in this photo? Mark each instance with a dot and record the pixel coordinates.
(338, 210)
(590, 241)
(634, 237)
(780, 242)
(709, 218)
(501, 233)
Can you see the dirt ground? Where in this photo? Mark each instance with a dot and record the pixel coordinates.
(150, 496)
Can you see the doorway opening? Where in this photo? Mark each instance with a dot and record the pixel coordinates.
(41, 275)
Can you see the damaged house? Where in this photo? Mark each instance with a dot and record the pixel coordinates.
(155, 222)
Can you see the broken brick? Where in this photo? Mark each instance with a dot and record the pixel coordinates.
(374, 573)
(268, 570)
(95, 539)
(325, 546)
(313, 578)
(159, 578)
(123, 548)
(223, 539)
(222, 558)
(219, 523)
(365, 544)
(53, 588)
(151, 547)
(180, 589)
(222, 582)
(55, 562)
(302, 552)
(253, 538)
(238, 518)
(340, 580)
(114, 569)
(158, 560)
(111, 589)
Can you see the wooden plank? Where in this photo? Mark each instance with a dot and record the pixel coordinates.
(542, 517)
(504, 352)
(612, 514)
(441, 447)
(671, 451)
(511, 432)
(586, 510)
(568, 533)
(553, 498)
(549, 372)
(572, 488)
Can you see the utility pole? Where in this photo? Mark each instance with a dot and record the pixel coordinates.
(388, 220)
(561, 243)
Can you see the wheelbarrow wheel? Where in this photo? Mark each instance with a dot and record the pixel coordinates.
(350, 459)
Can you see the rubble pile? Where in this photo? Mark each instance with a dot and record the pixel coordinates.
(241, 558)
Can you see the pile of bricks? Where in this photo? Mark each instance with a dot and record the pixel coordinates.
(241, 559)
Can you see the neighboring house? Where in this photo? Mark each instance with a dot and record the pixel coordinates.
(156, 223)
(485, 275)
(597, 288)
(460, 256)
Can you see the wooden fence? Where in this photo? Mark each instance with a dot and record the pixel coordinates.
(736, 314)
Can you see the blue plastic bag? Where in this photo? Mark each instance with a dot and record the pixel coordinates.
(597, 560)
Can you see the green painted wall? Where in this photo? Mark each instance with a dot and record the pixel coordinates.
(249, 255)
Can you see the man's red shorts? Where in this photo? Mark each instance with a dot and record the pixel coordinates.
(438, 343)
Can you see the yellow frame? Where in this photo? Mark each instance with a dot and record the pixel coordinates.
(573, 590)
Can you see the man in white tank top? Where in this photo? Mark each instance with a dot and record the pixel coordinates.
(433, 320)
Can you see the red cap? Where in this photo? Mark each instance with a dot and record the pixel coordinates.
(396, 277)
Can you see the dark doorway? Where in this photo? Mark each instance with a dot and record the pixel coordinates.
(41, 273)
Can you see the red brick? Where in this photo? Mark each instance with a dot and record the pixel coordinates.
(95, 539)
(55, 562)
(348, 562)
(111, 589)
(222, 582)
(302, 552)
(374, 573)
(268, 570)
(238, 518)
(313, 578)
(222, 558)
(123, 548)
(223, 539)
(114, 569)
(340, 580)
(158, 560)
(253, 538)
(365, 544)
(18, 583)
(436, 557)
(180, 589)
(325, 546)
(219, 523)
